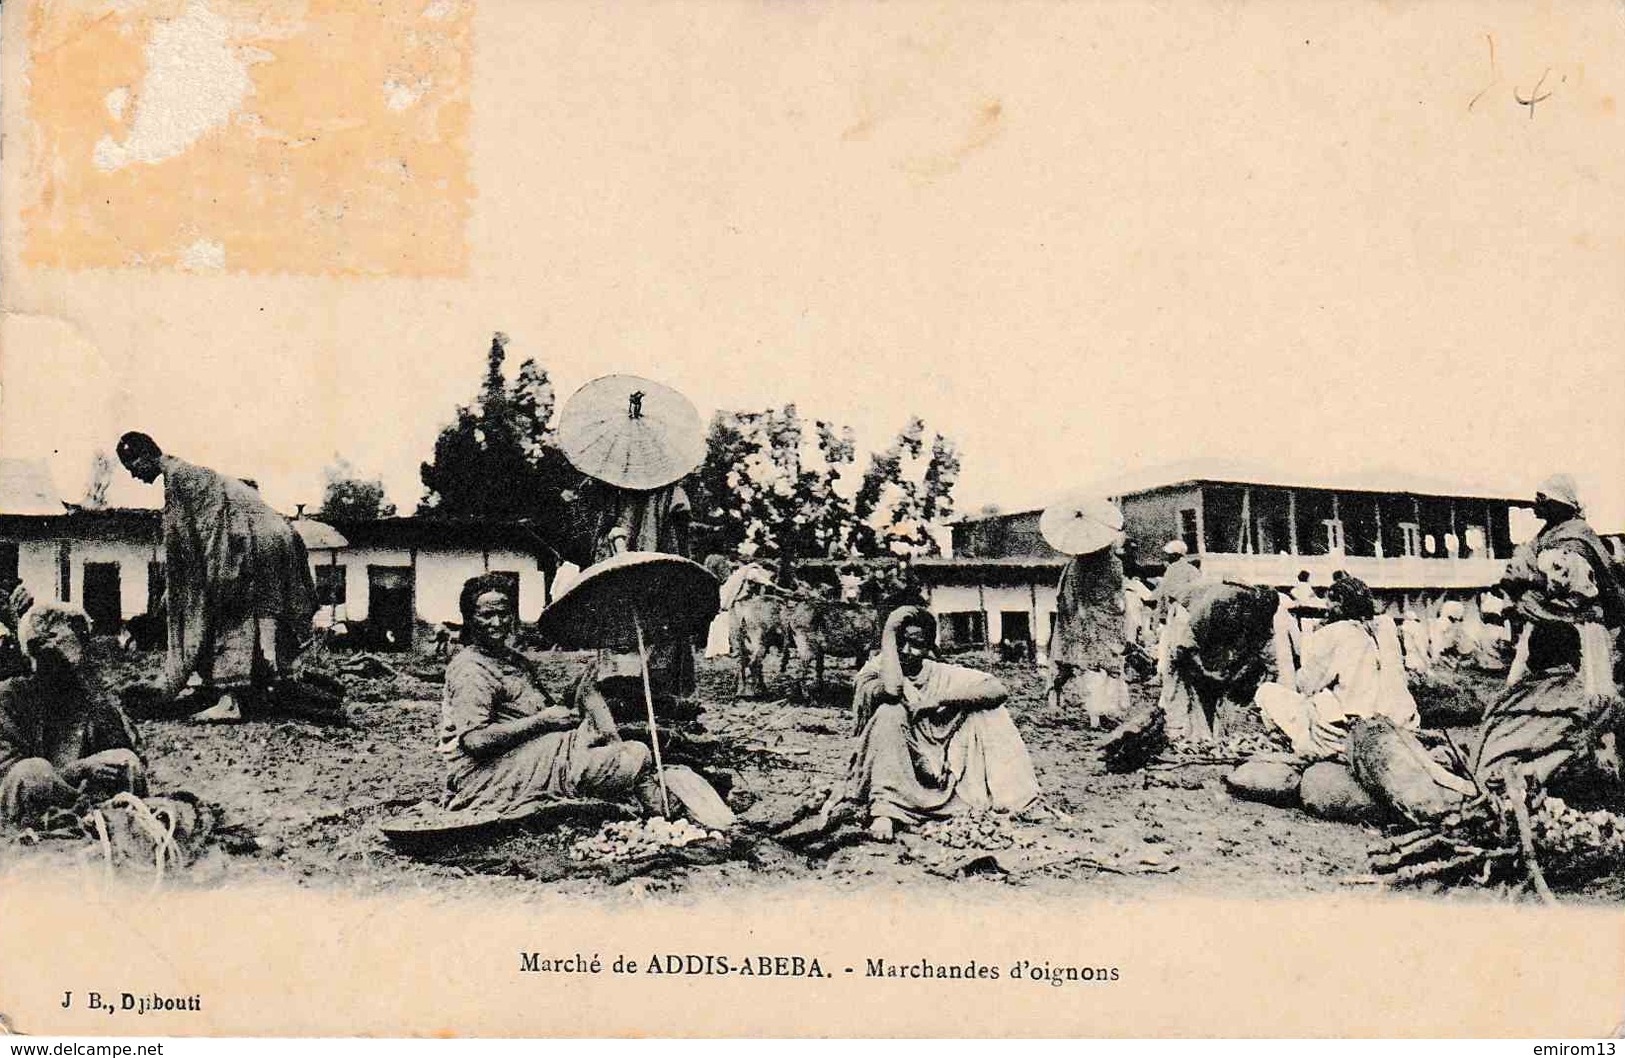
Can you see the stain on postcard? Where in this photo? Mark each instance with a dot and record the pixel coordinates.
(319, 137)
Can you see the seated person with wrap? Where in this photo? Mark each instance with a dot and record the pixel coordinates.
(937, 741)
(1562, 703)
(507, 744)
(61, 739)
(1351, 669)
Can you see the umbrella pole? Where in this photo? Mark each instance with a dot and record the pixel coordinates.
(649, 703)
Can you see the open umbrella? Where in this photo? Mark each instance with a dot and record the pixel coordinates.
(623, 601)
(1081, 526)
(631, 432)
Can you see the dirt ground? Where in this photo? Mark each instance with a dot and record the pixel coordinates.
(314, 797)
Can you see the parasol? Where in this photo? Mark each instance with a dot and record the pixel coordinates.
(631, 432)
(622, 601)
(1081, 526)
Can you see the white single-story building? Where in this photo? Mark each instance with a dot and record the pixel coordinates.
(392, 574)
(393, 569)
(988, 601)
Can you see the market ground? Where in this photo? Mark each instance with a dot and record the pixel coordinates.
(315, 797)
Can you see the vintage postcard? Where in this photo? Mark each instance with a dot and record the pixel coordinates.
(749, 518)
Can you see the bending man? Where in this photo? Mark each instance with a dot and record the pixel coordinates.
(237, 581)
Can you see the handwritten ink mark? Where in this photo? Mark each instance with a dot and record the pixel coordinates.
(1495, 77)
(1534, 95)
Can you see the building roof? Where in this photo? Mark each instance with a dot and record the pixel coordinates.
(1025, 562)
(404, 532)
(1241, 472)
(26, 488)
(409, 531)
(1004, 570)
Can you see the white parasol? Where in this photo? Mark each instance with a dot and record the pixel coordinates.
(1081, 526)
(631, 432)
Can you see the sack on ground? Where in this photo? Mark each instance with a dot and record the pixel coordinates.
(1394, 767)
(1268, 781)
(1329, 790)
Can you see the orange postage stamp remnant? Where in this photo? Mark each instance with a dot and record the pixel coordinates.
(249, 136)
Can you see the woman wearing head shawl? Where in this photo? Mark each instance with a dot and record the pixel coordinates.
(1351, 668)
(1561, 700)
(936, 739)
(506, 743)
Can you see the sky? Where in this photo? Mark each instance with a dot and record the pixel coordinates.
(1078, 239)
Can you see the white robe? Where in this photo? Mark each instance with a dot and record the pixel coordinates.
(1350, 671)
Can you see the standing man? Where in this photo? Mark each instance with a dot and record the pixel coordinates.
(1088, 639)
(609, 520)
(239, 591)
(1171, 599)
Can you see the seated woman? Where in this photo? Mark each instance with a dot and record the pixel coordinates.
(60, 738)
(1561, 704)
(938, 740)
(1351, 669)
(507, 744)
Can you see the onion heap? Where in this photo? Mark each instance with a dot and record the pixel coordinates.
(1236, 747)
(621, 841)
(1576, 839)
(971, 831)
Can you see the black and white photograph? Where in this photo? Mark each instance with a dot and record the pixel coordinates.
(872, 469)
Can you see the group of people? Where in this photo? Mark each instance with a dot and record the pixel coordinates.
(1310, 664)
(238, 600)
(935, 738)
(238, 597)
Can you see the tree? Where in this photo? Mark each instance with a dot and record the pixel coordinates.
(101, 479)
(905, 493)
(768, 487)
(350, 496)
(499, 461)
